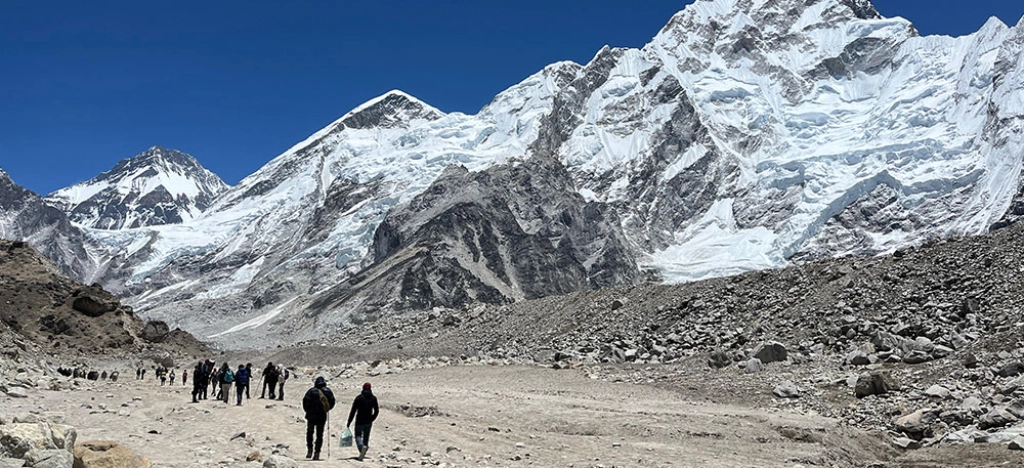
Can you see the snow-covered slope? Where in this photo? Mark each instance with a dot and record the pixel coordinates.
(158, 186)
(747, 134)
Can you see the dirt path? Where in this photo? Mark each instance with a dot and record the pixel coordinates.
(495, 416)
(464, 416)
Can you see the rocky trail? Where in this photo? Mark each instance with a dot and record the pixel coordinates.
(481, 415)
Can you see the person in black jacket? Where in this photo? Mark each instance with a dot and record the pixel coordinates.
(318, 401)
(365, 411)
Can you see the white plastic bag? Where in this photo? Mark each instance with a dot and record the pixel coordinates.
(346, 438)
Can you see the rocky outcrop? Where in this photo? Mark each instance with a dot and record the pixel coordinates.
(107, 454)
(18, 440)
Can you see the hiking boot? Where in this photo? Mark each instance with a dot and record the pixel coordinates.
(362, 452)
(316, 456)
(309, 453)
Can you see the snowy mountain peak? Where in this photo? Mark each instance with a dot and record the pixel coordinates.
(391, 109)
(157, 186)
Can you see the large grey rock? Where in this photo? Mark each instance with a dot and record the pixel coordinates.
(278, 461)
(51, 458)
(937, 391)
(752, 366)
(997, 417)
(786, 389)
(17, 392)
(155, 331)
(875, 383)
(1011, 369)
(770, 352)
(11, 463)
(919, 423)
(16, 440)
(107, 454)
(719, 359)
(1017, 443)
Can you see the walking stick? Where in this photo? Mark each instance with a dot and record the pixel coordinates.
(259, 385)
(329, 443)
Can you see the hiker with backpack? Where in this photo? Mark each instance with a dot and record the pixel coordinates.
(282, 375)
(227, 377)
(241, 382)
(198, 385)
(317, 402)
(269, 380)
(364, 411)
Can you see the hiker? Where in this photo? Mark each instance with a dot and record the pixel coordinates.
(198, 386)
(241, 382)
(114, 375)
(184, 377)
(226, 377)
(283, 375)
(269, 380)
(318, 401)
(365, 411)
(172, 377)
(103, 375)
(143, 376)
(248, 369)
(204, 379)
(214, 379)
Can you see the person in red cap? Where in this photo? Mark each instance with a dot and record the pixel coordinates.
(364, 411)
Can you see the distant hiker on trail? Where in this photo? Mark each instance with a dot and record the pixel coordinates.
(283, 374)
(184, 377)
(138, 373)
(226, 378)
(269, 380)
(365, 411)
(241, 382)
(103, 376)
(114, 375)
(198, 386)
(318, 401)
(172, 376)
(248, 381)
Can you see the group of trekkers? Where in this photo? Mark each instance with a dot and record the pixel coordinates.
(207, 374)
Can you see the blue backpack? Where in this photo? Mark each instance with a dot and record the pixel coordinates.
(229, 376)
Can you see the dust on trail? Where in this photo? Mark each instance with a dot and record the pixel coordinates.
(464, 416)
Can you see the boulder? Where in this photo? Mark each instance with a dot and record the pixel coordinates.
(917, 356)
(16, 440)
(997, 417)
(972, 405)
(1012, 369)
(858, 358)
(155, 331)
(278, 461)
(937, 391)
(770, 352)
(786, 389)
(906, 443)
(719, 359)
(919, 423)
(16, 392)
(875, 383)
(11, 463)
(107, 454)
(51, 458)
(885, 341)
(753, 365)
(1017, 443)
(971, 361)
(94, 306)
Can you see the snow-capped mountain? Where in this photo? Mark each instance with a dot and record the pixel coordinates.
(158, 186)
(747, 134)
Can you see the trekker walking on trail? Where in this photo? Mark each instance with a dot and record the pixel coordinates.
(241, 382)
(184, 377)
(282, 375)
(198, 385)
(318, 401)
(269, 380)
(365, 411)
(172, 377)
(248, 370)
(227, 377)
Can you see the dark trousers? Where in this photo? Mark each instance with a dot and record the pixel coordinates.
(280, 391)
(272, 385)
(319, 426)
(362, 435)
(246, 391)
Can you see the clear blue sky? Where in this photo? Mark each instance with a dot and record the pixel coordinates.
(87, 83)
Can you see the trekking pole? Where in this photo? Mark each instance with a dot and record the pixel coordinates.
(329, 443)
(260, 384)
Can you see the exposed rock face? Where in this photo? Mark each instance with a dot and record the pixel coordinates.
(511, 232)
(25, 217)
(158, 186)
(155, 331)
